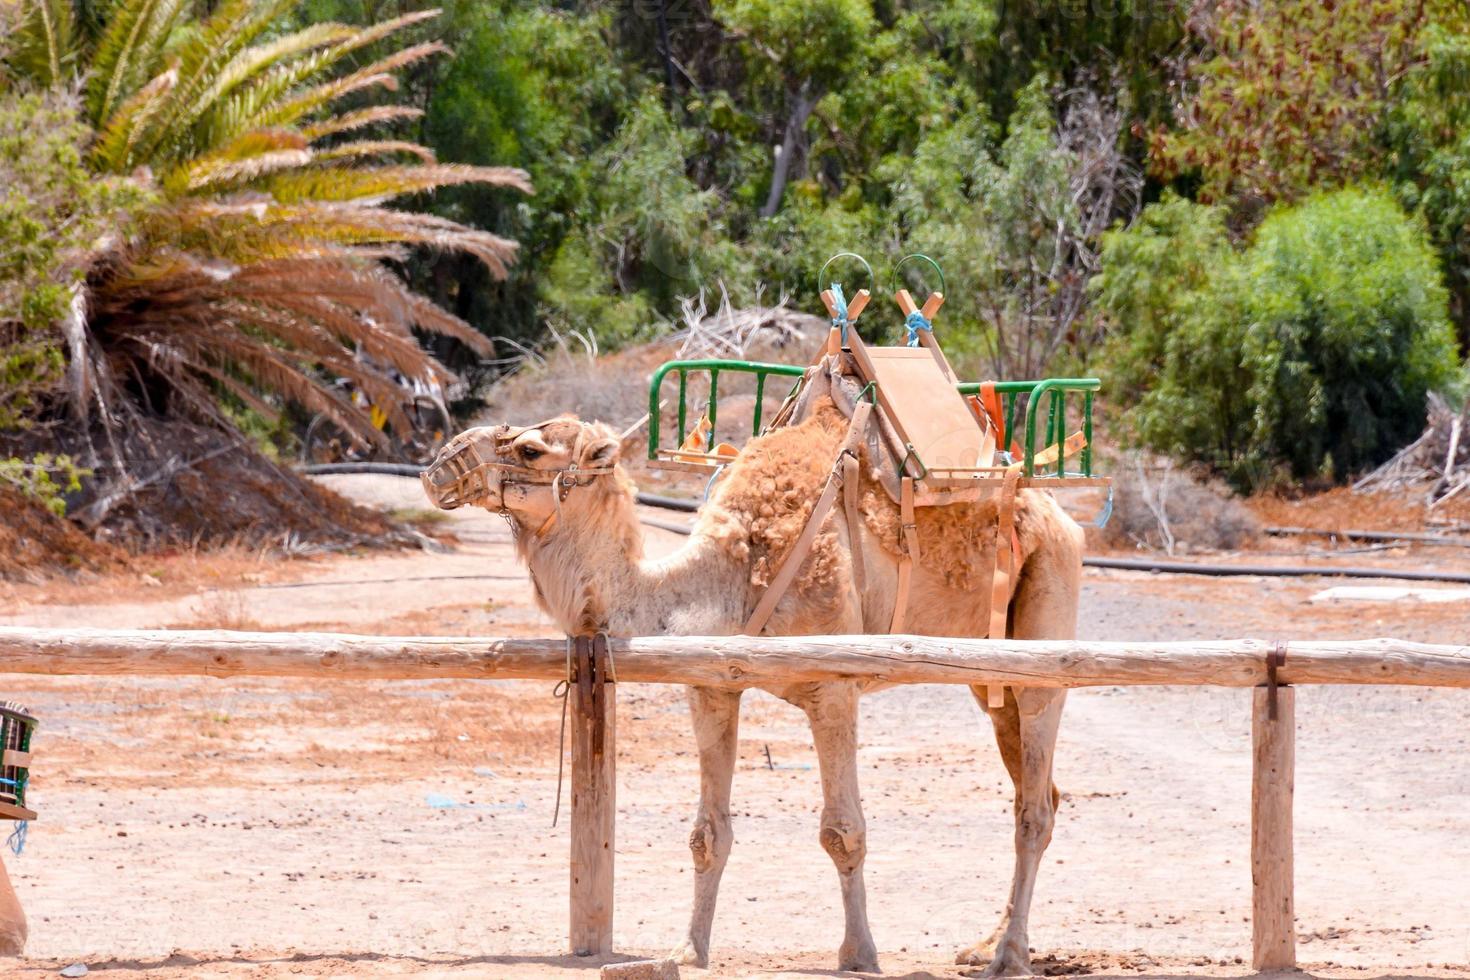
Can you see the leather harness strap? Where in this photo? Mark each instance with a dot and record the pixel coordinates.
(1007, 551)
(909, 541)
(761, 615)
(850, 486)
(1007, 562)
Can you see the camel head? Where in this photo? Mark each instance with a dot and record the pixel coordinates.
(526, 473)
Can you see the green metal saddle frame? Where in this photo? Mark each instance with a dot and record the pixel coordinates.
(1053, 392)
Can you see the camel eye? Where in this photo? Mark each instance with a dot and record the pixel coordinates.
(530, 454)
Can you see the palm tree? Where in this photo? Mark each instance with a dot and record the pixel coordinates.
(260, 269)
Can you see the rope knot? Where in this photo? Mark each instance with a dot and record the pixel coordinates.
(915, 322)
(840, 319)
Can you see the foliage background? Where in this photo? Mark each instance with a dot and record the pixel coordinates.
(1252, 219)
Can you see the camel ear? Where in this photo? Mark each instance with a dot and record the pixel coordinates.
(602, 451)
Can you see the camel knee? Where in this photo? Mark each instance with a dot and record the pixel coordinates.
(709, 843)
(1034, 826)
(846, 842)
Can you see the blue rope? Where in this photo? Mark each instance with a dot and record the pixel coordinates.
(708, 487)
(1104, 515)
(915, 322)
(17, 839)
(840, 321)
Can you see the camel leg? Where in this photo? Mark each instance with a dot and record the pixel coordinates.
(832, 709)
(13, 929)
(1040, 715)
(716, 728)
(1044, 607)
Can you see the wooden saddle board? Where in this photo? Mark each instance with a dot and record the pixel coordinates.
(925, 446)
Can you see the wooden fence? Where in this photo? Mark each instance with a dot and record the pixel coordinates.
(740, 661)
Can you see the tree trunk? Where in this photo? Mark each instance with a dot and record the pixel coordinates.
(804, 102)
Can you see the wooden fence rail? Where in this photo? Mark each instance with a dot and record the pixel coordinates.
(742, 661)
(734, 661)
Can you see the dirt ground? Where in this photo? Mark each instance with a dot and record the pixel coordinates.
(196, 828)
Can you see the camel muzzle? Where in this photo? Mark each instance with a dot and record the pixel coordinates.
(461, 473)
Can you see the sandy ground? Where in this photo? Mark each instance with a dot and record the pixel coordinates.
(264, 829)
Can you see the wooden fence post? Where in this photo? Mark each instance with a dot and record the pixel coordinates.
(1273, 777)
(594, 797)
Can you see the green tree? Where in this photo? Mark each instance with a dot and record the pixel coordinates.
(803, 51)
(1428, 139)
(1284, 98)
(540, 89)
(1170, 287)
(1020, 227)
(647, 235)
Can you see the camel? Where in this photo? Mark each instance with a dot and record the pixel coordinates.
(571, 506)
(13, 929)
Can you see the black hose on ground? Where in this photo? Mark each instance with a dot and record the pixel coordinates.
(684, 504)
(1437, 540)
(383, 469)
(666, 525)
(1279, 571)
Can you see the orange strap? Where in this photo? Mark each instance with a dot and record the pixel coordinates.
(990, 403)
(910, 544)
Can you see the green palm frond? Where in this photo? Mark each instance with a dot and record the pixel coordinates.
(43, 41)
(260, 103)
(352, 183)
(113, 150)
(211, 81)
(359, 118)
(130, 49)
(379, 74)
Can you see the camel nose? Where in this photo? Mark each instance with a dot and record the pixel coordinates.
(457, 476)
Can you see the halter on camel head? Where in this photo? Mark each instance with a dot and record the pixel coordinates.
(462, 472)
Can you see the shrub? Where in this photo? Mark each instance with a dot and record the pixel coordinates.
(1162, 508)
(1348, 331)
(1312, 349)
(53, 213)
(1174, 354)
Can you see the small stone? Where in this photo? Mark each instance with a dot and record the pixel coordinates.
(75, 970)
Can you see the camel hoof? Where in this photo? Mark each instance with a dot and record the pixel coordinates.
(997, 963)
(690, 954)
(1009, 966)
(979, 954)
(858, 958)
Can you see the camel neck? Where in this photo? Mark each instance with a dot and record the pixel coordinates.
(590, 574)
